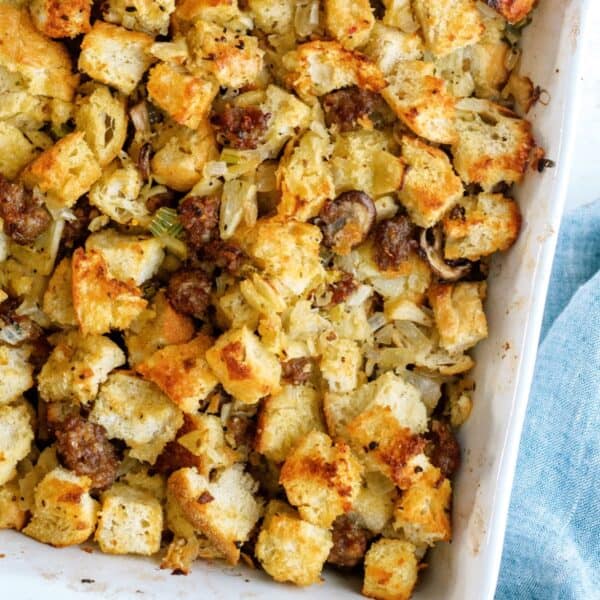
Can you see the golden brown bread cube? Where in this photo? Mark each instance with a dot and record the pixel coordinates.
(430, 185)
(148, 16)
(349, 22)
(321, 478)
(65, 171)
(115, 56)
(272, 16)
(61, 19)
(391, 570)
(16, 436)
(459, 316)
(130, 522)
(16, 374)
(12, 515)
(16, 151)
(480, 226)
(101, 302)
(340, 364)
(290, 549)
(373, 508)
(182, 373)
(221, 12)
(388, 46)
(58, 297)
(64, 512)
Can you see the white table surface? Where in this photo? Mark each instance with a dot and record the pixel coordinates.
(585, 176)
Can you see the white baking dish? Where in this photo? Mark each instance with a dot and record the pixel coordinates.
(467, 569)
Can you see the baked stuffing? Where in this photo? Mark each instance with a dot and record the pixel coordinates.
(243, 252)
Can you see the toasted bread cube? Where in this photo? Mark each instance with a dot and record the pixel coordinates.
(488, 61)
(134, 258)
(101, 302)
(362, 161)
(115, 56)
(234, 58)
(77, 366)
(186, 98)
(388, 46)
(373, 508)
(398, 13)
(430, 185)
(321, 478)
(287, 250)
(493, 144)
(148, 16)
(58, 297)
(233, 310)
(131, 522)
(222, 12)
(158, 326)
(12, 515)
(137, 412)
(480, 226)
(102, 117)
(61, 19)
(181, 153)
(349, 22)
(44, 65)
(316, 68)
(16, 374)
(448, 24)
(290, 549)
(244, 366)
(273, 16)
(64, 513)
(341, 361)
(422, 512)
(421, 101)
(65, 171)
(305, 178)
(16, 435)
(513, 10)
(32, 474)
(391, 570)
(286, 417)
(16, 151)
(182, 373)
(224, 509)
(459, 316)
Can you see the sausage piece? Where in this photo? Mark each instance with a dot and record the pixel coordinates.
(222, 254)
(342, 289)
(241, 128)
(199, 217)
(444, 451)
(189, 292)
(344, 108)
(346, 221)
(25, 217)
(75, 232)
(297, 370)
(84, 448)
(349, 542)
(394, 241)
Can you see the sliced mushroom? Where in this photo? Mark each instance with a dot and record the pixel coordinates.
(434, 255)
(346, 221)
(140, 117)
(143, 162)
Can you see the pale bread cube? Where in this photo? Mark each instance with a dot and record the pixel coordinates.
(221, 12)
(388, 46)
(16, 151)
(101, 302)
(61, 19)
(158, 326)
(391, 570)
(30, 475)
(64, 513)
(137, 412)
(398, 13)
(134, 258)
(234, 311)
(422, 512)
(421, 101)
(77, 366)
(182, 373)
(273, 16)
(448, 24)
(488, 61)
(373, 507)
(16, 436)
(304, 177)
(115, 56)
(321, 478)
(340, 364)
(16, 373)
(286, 417)
(482, 225)
(459, 315)
(102, 117)
(65, 171)
(316, 68)
(148, 16)
(245, 368)
(12, 515)
(290, 549)
(225, 509)
(186, 98)
(349, 22)
(58, 297)
(130, 522)
(431, 187)
(492, 145)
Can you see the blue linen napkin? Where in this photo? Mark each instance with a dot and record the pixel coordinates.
(552, 544)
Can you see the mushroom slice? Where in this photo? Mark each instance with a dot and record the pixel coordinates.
(433, 252)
